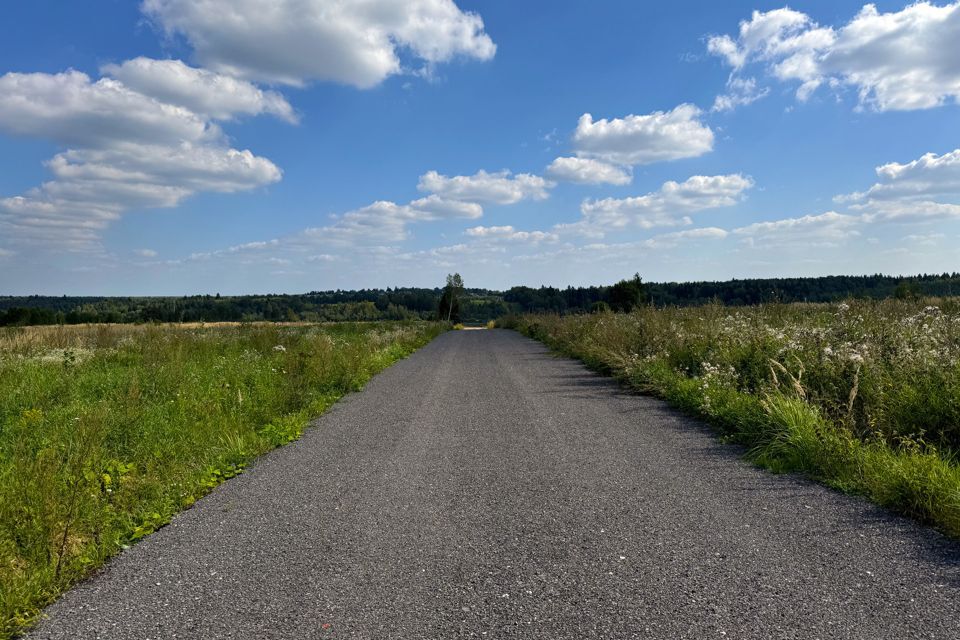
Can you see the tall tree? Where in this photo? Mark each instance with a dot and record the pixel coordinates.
(627, 294)
(449, 309)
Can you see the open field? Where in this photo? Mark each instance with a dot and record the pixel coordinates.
(107, 431)
(864, 396)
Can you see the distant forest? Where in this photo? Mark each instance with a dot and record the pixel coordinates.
(476, 305)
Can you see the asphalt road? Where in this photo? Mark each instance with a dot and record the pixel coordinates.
(483, 488)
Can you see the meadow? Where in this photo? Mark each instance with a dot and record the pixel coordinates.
(861, 395)
(108, 431)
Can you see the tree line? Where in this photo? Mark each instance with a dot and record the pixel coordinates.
(468, 305)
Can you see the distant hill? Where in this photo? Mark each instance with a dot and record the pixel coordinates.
(479, 305)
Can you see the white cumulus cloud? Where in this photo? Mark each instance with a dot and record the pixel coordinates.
(900, 60)
(928, 176)
(740, 92)
(644, 139)
(909, 211)
(434, 207)
(356, 42)
(386, 222)
(94, 187)
(202, 91)
(126, 150)
(499, 187)
(508, 233)
(70, 109)
(912, 191)
(669, 206)
(588, 171)
(828, 228)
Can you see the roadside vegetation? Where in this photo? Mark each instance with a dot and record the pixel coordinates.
(861, 395)
(107, 431)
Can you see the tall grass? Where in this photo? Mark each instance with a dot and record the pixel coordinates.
(107, 431)
(864, 396)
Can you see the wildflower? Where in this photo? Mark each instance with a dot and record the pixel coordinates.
(280, 348)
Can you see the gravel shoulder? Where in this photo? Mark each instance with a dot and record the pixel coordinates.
(484, 488)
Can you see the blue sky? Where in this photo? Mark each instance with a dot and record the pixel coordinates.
(179, 147)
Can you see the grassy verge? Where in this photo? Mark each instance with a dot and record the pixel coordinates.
(864, 397)
(107, 431)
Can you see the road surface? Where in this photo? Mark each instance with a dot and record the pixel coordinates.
(484, 488)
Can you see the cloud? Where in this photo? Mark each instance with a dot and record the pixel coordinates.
(588, 171)
(455, 256)
(908, 211)
(201, 91)
(382, 221)
(69, 109)
(146, 253)
(498, 188)
(146, 134)
(386, 222)
(909, 192)
(622, 251)
(669, 240)
(926, 177)
(895, 61)
(126, 150)
(247, 246)
(434, 207)
(770, 35)
(244, 248)
(633, 140)
(162, 174)
(826, 228)
(368, 232)
(925, 239)
(665, 207)
(95, 187)
(356, 42)
(510, 234)
(740, 93)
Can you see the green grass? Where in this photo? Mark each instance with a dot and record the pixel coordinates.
(108, 431)
(863, 396)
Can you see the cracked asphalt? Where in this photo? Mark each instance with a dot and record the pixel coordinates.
(484, 488)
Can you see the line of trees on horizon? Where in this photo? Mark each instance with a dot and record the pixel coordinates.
(469, 305)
